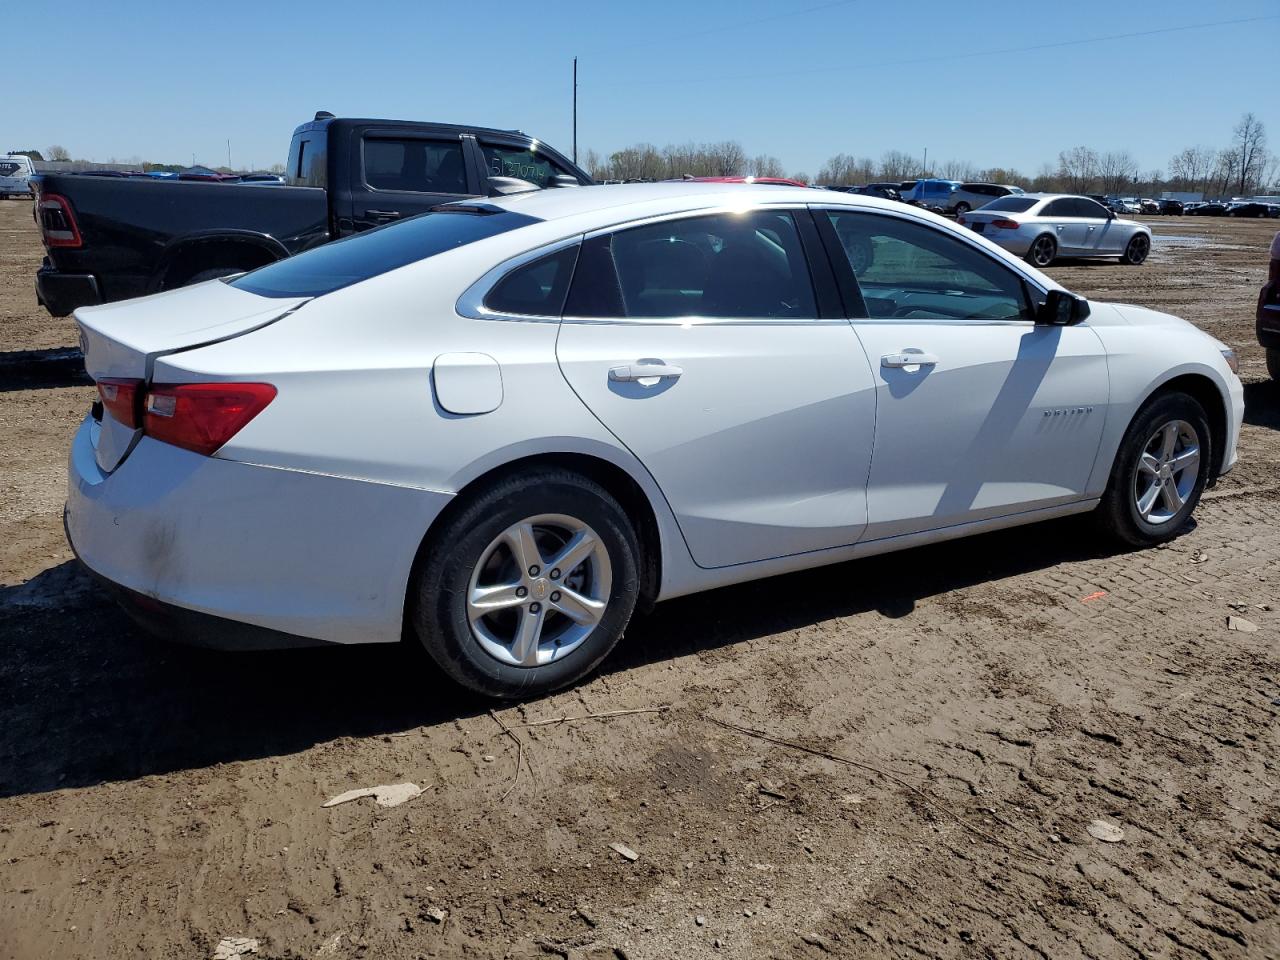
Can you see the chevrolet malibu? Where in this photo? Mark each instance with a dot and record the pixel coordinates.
(501, 427)
(1043, 227)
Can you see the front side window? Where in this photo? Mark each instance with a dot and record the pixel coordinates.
(524, 164)
(1084, 207)
(911, 271)
(344, 262)
(537, 289)
(411, 164)
(731, 265)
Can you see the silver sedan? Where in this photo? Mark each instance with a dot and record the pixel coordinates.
(1043, 227)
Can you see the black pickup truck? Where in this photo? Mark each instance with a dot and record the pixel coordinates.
(110, 238)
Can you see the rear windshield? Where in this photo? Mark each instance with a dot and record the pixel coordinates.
(344, 262)
(1011, 204)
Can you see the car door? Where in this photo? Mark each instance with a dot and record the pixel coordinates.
(1070, 232)
(1104, 236)
(705, 346)
(400, 174)
(981, 413)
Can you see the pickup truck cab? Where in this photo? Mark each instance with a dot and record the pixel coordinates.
(110, 239)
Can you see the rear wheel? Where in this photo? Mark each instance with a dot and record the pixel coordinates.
(962, 208)
(1043, 250)
(1159, 473)
(529, 586)
(1136, 251)
(1273, 363)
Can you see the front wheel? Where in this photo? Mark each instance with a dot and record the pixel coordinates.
(1043, 250)
(1159, 473)
(529, 586)
(1136, 251)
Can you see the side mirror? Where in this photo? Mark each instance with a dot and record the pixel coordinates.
(1062, 309)
(563, 180)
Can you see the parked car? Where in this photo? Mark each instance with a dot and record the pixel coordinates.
(973, 196)
(267, 179)
(1043, 227)
(1171, 207)
(1147, 205)
(16, 171)
(1213, 209)
(112, 239)
(1269, 312)
(500, 428)
(933, 194)
(884, 191)
(1252, 209)
(1118, 205)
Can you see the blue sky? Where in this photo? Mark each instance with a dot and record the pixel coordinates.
(800, 79)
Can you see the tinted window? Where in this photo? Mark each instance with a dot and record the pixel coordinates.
(524, 164)
(536, 289)
(1084, 207)
(307, 166)
(422, 166)
(1011, 204)
(911, 271)
(344, 262)
(1057, 208)
(746, 265)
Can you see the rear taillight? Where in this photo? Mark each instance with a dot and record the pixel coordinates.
(1006, 224)
(960, 219)
(121, 398)
(58, 221)
(202, 416)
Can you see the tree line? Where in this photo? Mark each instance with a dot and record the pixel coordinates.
(1243, 167)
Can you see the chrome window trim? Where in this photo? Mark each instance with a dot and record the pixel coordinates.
(471, 303)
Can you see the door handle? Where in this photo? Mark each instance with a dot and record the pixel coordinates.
(384, 214)
(631, 372)
(907, 359)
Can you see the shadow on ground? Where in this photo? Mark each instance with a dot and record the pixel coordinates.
(89, 698)
(1262, 404)
(42, 369)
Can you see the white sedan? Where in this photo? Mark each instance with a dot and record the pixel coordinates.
(501, 427)
(1045, 226)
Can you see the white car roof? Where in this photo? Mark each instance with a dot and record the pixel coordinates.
(668, 197)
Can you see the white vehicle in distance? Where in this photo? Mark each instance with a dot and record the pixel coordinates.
(501, 427)
(1045, 226)
(16, 171)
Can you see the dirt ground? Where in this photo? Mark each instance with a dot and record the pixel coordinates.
(994, 696)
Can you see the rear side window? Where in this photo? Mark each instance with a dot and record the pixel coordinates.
(307, 161)
(411, 164)
(364, 255)
(732, 266)
(517, 162)
(537, 289)
(1010, 204)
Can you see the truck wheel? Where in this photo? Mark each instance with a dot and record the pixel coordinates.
(1273, 363)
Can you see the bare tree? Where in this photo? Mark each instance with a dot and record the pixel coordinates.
(957, 170)
(999, 175)
(57, 152)
(1117, 171)
(1078, 169)
(594, 164)
(727, 158)
(639, 162)
(799, 176)
(896, 165)
(844, 169)
(765, 165)
(1249, 144)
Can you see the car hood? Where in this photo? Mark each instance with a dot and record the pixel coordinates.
(1145, 317)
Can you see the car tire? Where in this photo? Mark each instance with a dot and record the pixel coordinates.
(1273, 363)
(1043, 251)
(962, 208)
(1136, 251)
(1130, 511)
(526, 645)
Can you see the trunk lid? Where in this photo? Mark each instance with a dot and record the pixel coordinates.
(123, 340)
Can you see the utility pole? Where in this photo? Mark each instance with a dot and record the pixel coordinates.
(575, 109)
(924, 170)
(228, 151)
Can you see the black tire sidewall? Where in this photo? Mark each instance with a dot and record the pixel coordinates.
(440, 608)
(1031, 253)
(1118, 502)
(1128, 256)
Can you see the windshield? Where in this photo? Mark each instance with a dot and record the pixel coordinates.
(1010, 204)
(344, 262)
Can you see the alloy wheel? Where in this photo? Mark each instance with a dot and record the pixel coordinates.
(1167, 472)
(1139, 247)
(539, 590)
(1042, 251)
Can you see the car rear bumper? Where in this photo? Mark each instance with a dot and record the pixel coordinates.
(61, 293)
(235, 555)
(1015, 241)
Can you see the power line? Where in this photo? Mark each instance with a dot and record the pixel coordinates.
(943, 57)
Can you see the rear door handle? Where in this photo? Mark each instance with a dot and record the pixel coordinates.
(907, 359)
(631, 372)
(384, 214)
